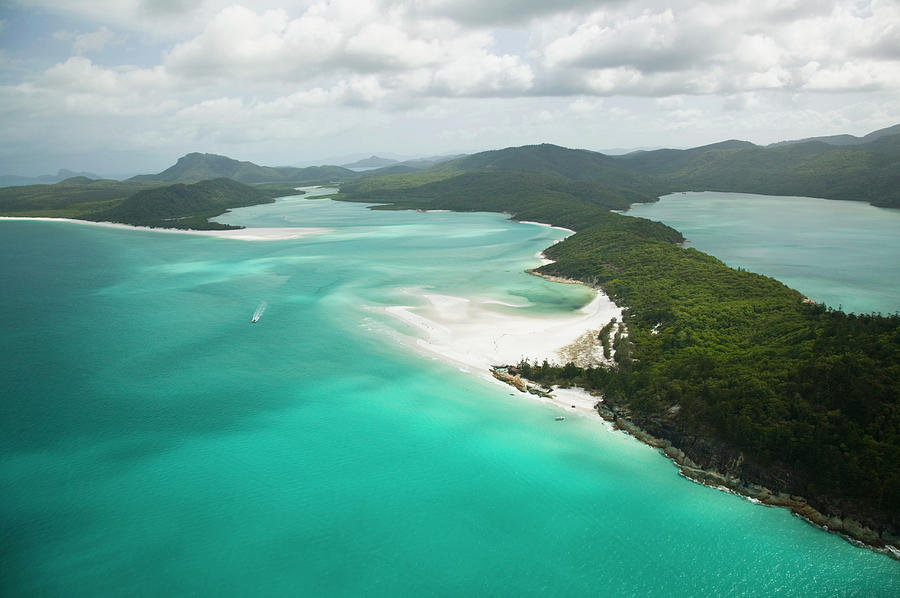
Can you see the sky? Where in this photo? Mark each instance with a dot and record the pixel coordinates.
(128, 86)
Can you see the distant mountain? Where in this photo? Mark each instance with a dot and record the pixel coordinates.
(845, 139)
(866, 171)
(9, 180)
(528, 181)
(430, 160)
(370, 162)
(197, 167)
(575, 164)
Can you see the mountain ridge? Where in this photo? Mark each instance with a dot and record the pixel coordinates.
(195, 167)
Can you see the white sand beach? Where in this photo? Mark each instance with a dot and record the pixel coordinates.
(475, 335)
(243, 234)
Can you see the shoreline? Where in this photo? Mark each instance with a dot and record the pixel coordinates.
(240, 234)
(454, 331)
(848, 529)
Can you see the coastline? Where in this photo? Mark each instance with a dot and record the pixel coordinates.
(849, 529)
(241, 234)
(444, 341)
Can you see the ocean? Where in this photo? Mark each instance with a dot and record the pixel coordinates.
(156, 442)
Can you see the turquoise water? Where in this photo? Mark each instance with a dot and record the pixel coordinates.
(842, 253)
(154, 442)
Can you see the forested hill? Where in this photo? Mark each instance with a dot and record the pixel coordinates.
(868, 169)
(575, 164)
(145, 203)
(845, 139)
(183, 206)
(197, 167)
(865, 171)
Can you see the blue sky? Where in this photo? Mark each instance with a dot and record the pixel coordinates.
(126, 86)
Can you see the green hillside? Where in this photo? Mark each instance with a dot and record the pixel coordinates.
(144, 203)
(71, 198)
(183, 206)
(579, 165)
(867, 171)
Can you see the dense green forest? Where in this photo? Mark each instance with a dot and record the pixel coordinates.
(735, 368)
(809, 396)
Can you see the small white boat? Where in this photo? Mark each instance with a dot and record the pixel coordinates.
(559, 418)
(258, 313)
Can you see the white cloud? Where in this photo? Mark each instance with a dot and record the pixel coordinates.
(92, 42)
(703, 48)
(250, 73)
(670, 102)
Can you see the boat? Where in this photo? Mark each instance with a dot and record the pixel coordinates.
(559, 418)
(258, 313)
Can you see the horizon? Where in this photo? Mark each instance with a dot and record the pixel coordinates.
(347, 160)
(112, 87)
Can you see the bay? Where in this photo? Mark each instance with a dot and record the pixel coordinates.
(155, 442)
(845, 254)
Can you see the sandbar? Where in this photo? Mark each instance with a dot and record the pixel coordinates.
(476, 335)
(472, 333)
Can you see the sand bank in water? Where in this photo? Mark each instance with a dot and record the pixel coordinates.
(243, 234)
(477, 335)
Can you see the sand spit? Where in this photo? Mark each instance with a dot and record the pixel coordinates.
(242, 234)
(474, 334)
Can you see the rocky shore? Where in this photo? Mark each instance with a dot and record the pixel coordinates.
(716, 466)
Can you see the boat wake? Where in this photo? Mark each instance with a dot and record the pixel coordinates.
(259, 312)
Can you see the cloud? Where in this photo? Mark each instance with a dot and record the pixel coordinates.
(241, 73)
(92, 42)
(343, 38)
(500, 12)
(708, 48)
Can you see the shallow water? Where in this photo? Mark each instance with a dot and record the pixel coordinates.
(845, 254)
(155, 442)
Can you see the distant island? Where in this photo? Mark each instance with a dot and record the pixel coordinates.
(743, 381)
(11, 180)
